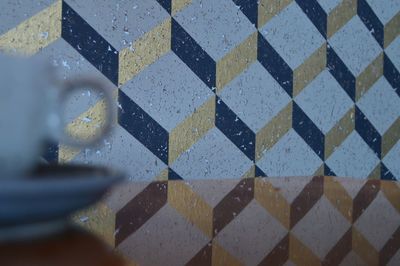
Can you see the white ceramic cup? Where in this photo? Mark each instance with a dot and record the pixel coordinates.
(31, 106)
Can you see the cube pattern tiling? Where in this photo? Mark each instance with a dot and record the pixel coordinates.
(228, 88)
(319, 220)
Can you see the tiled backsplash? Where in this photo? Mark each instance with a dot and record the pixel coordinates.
(261, 221)
(227, 88)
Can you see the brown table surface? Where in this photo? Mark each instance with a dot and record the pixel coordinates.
(74, 247)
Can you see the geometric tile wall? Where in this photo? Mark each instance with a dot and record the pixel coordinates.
(226, 89)
(263, 221)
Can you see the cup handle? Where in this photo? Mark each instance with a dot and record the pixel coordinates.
(69, 86)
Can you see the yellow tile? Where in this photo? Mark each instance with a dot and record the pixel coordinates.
(339, 132)
(250, 173)
(274, 130)
(364, 249)
(100, 221)
(320, 171)
(236, 61)
(369, 76)
(340, 15)
(391, 191)
(191, 130)
(307, 71)
(338, 196)
(178, 5)
(34, 33)
(376, 173)
(163, 175)
(272, 200)
(300, 254)
(267, 9)
(85, 126)
(390, 137)
(191, 206)
(221, 257)
(144, 51)
(392, 30)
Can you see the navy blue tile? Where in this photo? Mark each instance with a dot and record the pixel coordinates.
(328, 171)
(371, 21)
(249, 8)
(368, 132)
(305, 127)
(172, 175)
(275, 64)
(259, 172)
(50, 153)
(315, 13)
(143, 127)
(386, 174)
(391, 73)
(235, 129)
(190, 52)
(341, 73)
(166, 4)
(91, 45)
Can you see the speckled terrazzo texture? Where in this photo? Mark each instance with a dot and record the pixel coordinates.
(226, 89)
(263, 221)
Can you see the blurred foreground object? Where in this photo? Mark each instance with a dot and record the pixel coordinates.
(39, 204)
(31, 112)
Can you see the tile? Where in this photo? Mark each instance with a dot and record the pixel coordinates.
(289, 263)
(120, 22)
(155, 195)
(89, 43)
(352, 259)
(290, 187)
(255, 96)
(15, 12)
(69, 64)
(213, 156)
(144, 51)
(385, 11)
(395, 259)
(324, 101)
(329, 5)
(245, 237)
(355, 45)
(290, 156)
(351, 186)
(393, 52)
(229, 26)
(321, 228)
(124, 152)
(378, 222)
(232, 204)
(181, 235)
(381, 105)
(353, 158)
(191, 130)
(168, 91)
(213, 191)
(309, 132)
(249, 8)
(142, 126)
(35, 32)
(338, 13)
(292, 35)
(123, 193)
(391, 160)
(235, 129)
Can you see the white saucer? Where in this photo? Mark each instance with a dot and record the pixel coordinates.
(40, 203)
